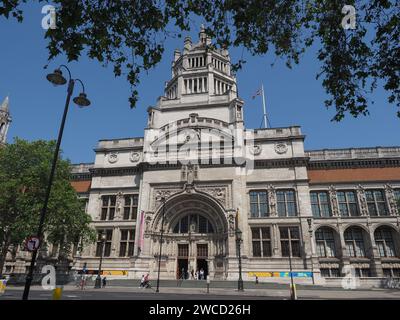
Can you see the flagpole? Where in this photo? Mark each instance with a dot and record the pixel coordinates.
(265, 112)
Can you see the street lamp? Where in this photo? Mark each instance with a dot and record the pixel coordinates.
(161, 240)
(238, 242)
(310, 231)
(292, 288)
(97, 284)
(55, 78)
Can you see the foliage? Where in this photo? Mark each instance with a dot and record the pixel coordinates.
(24, 174)
(130, 35)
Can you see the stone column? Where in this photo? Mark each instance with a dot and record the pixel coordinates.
(375, 258)
(345, 259)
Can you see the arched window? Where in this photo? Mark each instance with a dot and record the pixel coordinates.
(194, 223)
(354, 240)
(325, 242)
(384, 241)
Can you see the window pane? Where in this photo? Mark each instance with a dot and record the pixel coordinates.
(122, 249)
(126, 213)
(296, 248)
(265, 233)
(255, 233)
(131, 249)
(285, 248)
(256, 249)
(315, 210)
(124, 235)
(266, 248)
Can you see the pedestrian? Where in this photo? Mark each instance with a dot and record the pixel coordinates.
(183, 274)
(201, 274)
(192, 273)
(104, 282)
(196, 275)
(256, 279)
(142, 282)
(146, 283)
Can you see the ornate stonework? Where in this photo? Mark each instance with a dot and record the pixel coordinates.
(134, 156)
(272, 200)
(391, 200)
(219, 193)
(362, 200)
(281, 148)
(113, 157)
(334, 201)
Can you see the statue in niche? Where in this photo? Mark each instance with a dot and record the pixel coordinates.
(190, 174)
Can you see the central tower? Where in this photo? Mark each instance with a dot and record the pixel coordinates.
(201, 84)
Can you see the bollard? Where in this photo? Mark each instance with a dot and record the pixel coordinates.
(57, 293)
(208, 285)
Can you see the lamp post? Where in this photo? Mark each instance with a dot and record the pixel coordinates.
(161, 240)
(238, 243)
(97, 284)
(292, 288)
(55, 78)
(310, 231)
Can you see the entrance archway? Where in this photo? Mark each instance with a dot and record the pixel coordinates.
(195, 233)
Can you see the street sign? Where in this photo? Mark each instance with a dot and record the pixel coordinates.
(32, 243)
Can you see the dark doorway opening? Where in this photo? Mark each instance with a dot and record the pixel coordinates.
(202, 264)
(182, 271)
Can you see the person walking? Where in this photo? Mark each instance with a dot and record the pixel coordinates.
(104, 282)
(192, 274)
(201, 274)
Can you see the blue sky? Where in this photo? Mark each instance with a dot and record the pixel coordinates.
(293, 97)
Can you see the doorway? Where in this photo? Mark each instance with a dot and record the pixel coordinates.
(183, 261)
(202, 255)
(182, 270)
(202, 264)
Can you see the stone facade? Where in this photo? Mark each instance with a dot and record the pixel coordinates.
(198, 175)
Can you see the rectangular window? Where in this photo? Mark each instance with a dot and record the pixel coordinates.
(290, 241)
(347, 203)
(259, 204)
(104, 245)
(261, 240)
(130, 206)
(183, 250)
(286, 203)
(376, 203)
(108, 207)
(127, 243)
(320, 204)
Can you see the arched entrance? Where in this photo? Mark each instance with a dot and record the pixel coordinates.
(195, 233)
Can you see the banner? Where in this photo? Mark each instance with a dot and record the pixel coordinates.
(141, 239)
(274, 274)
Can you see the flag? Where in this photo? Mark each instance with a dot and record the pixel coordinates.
(257, 93)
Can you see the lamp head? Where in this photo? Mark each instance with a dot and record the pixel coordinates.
(238, 234)
(103, 236)
(82, 100)
(56, 78)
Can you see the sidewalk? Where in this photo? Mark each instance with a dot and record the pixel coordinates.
(304, 293)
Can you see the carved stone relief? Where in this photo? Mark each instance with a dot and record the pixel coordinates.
(281, 148)
(391, 200)
(272, 200)
(334, 201)
(362, 200)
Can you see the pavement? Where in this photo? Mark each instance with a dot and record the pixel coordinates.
(129, 290)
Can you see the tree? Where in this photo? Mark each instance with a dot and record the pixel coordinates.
(24, 173)
(130, 35)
